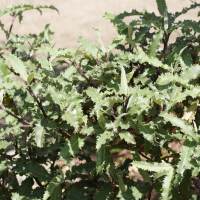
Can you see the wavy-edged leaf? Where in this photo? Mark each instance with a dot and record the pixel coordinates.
(53, 189)
(161, 6)
(99, 39)
(93, 94)
(117, 40)
(191, 73)
(65, 153)
(30, 78)
(76, 142)
(167, 185)
(4, 144)
(155, 44)
(33, 169)
(187, 129)
(104, 138)
(124, 135)
(4, 70)
(17, 64)
(121, 184)
(39, 132)
(104, 192)
(44, 63)
(88, 46)
(71, 119)
(156, 167)
(186, 154)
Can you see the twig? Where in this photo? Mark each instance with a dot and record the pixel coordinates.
(19, 119)
(38, 102)
(11, 26)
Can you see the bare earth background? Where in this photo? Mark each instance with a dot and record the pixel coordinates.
(77, 16)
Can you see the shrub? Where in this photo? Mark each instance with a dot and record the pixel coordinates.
(143, 99)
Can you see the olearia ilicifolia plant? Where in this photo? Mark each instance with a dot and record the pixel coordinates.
(142, 99)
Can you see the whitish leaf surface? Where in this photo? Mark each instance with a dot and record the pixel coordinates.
(71, 119)
(93, 93)
(167, 185)
(155, 44)
(39, 132)
(1, 96)
(124, 85)
(17, 65)
(191, 73)
(186, 155)
(156, 167)
(127, 137)
(104, 138)
(187, 129)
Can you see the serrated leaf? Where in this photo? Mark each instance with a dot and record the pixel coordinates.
(104, 192)
(185, 158)
(156, 167)
(93, 94)
(3, 166)
(104, 138)
(3, 68)
(167, 185)
(88, 46)
(187, 129)
(99, 39)
(65, 153)
(4, 144)
(44, 63)
(191, 73)
(76, 194)
(76, 142)
(161, 6)
(121, 184)
(53, 189)
(17, 64)
(155, 44)
(127, 137)
(71, 119)
(26, 187)
(124, 85)
(39, 132)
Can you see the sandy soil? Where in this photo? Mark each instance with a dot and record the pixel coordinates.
(77, 16)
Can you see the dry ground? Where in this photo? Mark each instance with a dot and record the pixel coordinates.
(77, 16)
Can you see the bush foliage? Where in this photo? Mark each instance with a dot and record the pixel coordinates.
(140, 94)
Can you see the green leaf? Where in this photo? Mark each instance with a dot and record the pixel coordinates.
(187, 129)
(30, 78)
(65, 153)
(166, 20)
(71, 119)
(76, 194)
(191, 73)
(100, 159)
(4, 70)
(99, 39)
(4, 144)
(93, 94)
(104, 192)
(53, 189)
(26, 187)
(124, 85)
(104, 138)
(127, 137)
(88, 46)
(1, 96)
(3, 166)
(155, 44)
(130, 32)
(167, 185)
(17, 64)
(39, 132)
(44, 63)
(156, 167)
(76, 142)
(161, 6)
(186, 154)
(121, 184)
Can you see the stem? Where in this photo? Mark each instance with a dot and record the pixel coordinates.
(19, 119)
(149, 196)
(38, 102)
(11, 26)
(165, 44)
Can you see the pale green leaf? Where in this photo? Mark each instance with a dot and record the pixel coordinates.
(17, 65)
(30, 78)
(71, 119)
(127, 137)
(161, 6)
(124, 85)
(4, 144)
(1, 96)
(39, 132)
(93, 94)
(187, 129)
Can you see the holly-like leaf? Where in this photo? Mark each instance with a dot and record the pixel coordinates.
(39, 132)
(104, 192)
(71, 119)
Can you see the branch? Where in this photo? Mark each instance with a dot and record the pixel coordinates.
(18, 118)
(38, 102)
(11, 26)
